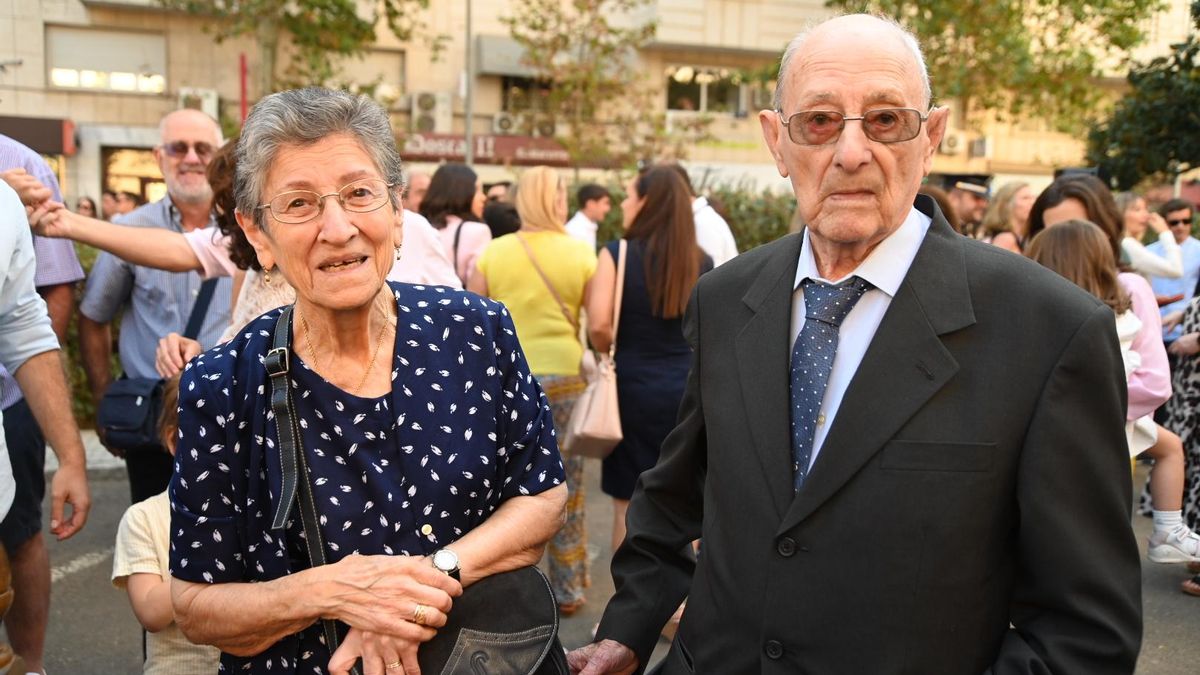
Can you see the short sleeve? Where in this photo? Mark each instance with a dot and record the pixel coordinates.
(134, 552)
(205, 541)
(211, 248)
(528, 444)
(108, 287)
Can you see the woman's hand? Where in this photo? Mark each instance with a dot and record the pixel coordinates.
(1172, 319)
(49, 219)
(1187, 345)
(173, 353)
(381, 594)
(381, 654)
(1157, 223)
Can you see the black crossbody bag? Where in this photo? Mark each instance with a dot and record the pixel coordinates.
(506, 623)
(128, 412)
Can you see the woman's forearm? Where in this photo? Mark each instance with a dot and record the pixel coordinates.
(514, 536)
(243, 619)
(147, 246)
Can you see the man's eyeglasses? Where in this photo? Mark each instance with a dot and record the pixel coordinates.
(179, 149)
(300, 206)
(822, 127)
(1180, 221)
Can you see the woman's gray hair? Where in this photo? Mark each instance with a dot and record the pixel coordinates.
(301, 117)
(907, 36)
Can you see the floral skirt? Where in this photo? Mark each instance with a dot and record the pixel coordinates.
(568, 549)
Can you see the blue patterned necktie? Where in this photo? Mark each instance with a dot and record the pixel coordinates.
(825, 307)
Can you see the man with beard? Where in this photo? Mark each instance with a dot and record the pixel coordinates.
(155, 302)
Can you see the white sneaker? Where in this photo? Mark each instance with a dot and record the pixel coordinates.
(1179, 546)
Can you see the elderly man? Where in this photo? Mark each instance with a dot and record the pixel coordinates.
(158, 302)
(889, 474)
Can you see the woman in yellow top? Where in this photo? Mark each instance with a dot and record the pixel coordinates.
(542, 275)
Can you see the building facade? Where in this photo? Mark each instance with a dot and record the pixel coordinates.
(85, 82)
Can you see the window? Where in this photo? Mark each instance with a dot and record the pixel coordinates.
(378, 73)
(522, 94)
(81, 58)
(713, 90)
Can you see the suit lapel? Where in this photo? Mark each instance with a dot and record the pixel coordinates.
(762, 355)
(904, 366)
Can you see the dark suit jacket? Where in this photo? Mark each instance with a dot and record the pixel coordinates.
(976, 474)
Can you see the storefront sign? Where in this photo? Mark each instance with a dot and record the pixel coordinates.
(489, 149)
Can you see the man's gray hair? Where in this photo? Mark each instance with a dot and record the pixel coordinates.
(302, 117)
(910, 41)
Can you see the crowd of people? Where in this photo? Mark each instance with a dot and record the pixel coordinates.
(920, 408)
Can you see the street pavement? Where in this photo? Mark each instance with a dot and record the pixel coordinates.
(93, 632)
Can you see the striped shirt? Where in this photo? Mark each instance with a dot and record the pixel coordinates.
(155, 302)
(56, 260)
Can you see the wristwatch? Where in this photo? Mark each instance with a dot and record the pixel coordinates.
(446, 561)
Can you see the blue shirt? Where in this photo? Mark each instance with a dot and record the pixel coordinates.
(1186, 284)
(156, 302)
(465, 428)
(56, 259)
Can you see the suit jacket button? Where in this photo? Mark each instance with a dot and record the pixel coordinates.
(773, 649)
(786, 547)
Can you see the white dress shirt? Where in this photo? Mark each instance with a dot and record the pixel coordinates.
(712, 232)
(885, 269)
(582, 228)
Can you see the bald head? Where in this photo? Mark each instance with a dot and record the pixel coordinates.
(847, 33)
(190, 118)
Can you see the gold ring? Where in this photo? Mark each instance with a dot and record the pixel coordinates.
(419, 615)
(393, 666)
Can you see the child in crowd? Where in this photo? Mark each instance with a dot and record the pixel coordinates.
(140, 567)
(1080, 251)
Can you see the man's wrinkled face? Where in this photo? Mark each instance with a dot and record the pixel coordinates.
(189, 139)
(854, 190)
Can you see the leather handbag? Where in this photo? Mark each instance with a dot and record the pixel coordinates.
(503, 623)
(128, 412)
(594, 428)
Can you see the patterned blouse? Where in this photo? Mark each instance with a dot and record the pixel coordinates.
(465, 428)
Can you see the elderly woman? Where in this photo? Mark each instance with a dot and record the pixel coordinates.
(441, 443)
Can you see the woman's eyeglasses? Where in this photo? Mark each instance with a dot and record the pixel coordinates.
(299, 206)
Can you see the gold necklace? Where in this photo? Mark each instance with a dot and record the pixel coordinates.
(374, 355)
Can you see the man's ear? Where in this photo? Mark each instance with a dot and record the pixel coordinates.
(935, 129)
(259, 239)
(773, 134)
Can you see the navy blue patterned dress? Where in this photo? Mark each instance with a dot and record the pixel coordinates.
(465, 427)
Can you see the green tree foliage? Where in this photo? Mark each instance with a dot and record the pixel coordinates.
(1154, 131)
(605, 109)
(1022, 56)
(319, 32)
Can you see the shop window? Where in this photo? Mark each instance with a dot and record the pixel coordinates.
(523, 94)
(127, 61)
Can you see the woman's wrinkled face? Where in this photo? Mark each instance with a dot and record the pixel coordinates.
(631, 205)
(1137, 217)
(339, 259)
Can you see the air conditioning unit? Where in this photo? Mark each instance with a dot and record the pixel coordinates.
(431, 112)
(954, 143)
(508, 124)
(545, 127)
(204, 100)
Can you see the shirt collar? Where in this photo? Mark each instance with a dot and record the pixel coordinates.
(887, 265)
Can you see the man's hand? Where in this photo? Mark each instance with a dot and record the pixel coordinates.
(69, 486)
(173, 353)
(29, 189)
(1186, 345)
(607, 657)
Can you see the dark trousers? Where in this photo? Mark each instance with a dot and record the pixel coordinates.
(149, 472)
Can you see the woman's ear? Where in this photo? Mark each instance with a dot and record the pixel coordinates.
(259, 239)
(398, 232)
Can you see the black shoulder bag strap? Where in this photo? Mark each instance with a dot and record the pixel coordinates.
(196, 318)
(292, 462)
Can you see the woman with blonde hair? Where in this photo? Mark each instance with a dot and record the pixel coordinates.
(1136, 219)
(1006, 221)
(542, 275)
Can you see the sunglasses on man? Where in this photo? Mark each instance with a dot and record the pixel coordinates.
(179, 149)
(1180, 221)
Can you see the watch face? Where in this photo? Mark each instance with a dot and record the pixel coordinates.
(445, 560)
